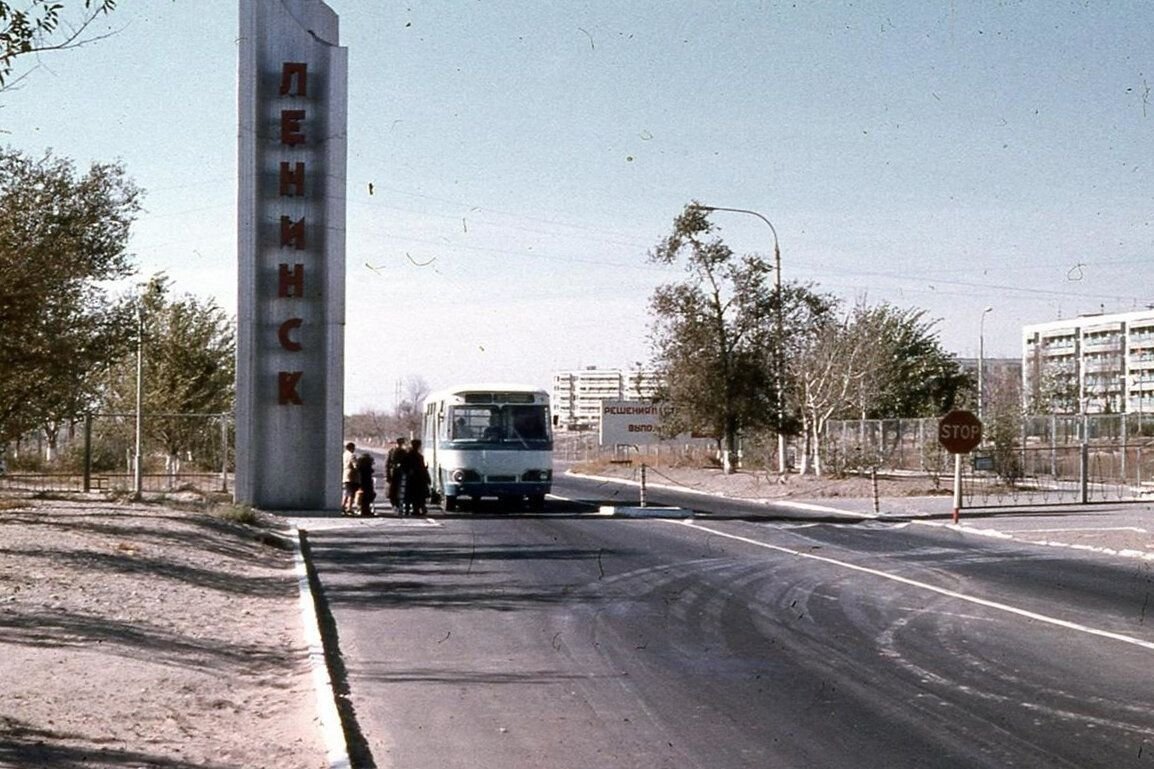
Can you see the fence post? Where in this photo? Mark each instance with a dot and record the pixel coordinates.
(957, 487)
(643, 484)
(1084, 461)
(922, 445)
(87, 452)
(224, 453)
(874, 481)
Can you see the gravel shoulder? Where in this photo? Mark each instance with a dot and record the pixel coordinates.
(138, 635)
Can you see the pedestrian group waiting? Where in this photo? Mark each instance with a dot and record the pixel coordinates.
(407, 480)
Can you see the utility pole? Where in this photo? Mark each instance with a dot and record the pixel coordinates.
(982, 360)
(138, 463)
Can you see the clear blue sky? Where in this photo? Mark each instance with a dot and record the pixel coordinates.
(525, 156)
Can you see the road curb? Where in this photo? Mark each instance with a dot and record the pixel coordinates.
(336, 747)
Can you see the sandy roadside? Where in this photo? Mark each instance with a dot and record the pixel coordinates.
(136, 635)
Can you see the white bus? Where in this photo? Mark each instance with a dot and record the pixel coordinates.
(489, 441)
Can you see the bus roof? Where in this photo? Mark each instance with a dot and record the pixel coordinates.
(484, 387)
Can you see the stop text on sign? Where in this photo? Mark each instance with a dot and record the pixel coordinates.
(959, 432)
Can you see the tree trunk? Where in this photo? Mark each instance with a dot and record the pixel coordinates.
(805, 430)
(816, 450)
(50, 444)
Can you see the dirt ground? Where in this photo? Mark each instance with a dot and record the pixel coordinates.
(761, 484)
(138, 635)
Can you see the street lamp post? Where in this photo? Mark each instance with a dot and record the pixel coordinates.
(779, 353)
(982, 360)
(138, 465)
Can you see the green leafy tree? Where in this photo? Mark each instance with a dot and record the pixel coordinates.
(44, 25)
(62, 239)
(188, 351)
(714, 334)
(908, 373)
(1003, 418)
(708, 332)
(877, 362)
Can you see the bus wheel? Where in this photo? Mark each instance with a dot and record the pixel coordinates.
(537, 502)
(450, 504)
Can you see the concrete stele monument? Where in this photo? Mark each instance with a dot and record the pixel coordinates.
(293, 103)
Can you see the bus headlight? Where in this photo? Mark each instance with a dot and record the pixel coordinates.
(464, 475)
(537, 476)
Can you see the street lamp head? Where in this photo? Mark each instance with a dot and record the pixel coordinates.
(762, 217)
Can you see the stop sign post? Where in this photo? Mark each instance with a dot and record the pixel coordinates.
(959, 432)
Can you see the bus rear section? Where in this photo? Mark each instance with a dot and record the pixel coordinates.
(493, 441)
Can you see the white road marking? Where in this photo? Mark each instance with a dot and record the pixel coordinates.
(1090, 529)
(812, 508)
(928, 587)
(1022, 535)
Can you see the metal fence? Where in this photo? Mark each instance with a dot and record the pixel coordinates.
(576, 447)
(1062, 475)
(1050, 459)
(179, 452)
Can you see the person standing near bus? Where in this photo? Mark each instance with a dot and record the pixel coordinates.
(365, 491)
(392, 474)
(415, 481)
(350, 479)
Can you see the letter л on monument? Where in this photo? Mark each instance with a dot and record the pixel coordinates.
(294, 79)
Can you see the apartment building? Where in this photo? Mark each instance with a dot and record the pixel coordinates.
(1099, 364)
(577, 395)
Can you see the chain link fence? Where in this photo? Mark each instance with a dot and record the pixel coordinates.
(581, 447)
(179, 452)
(1047, 459)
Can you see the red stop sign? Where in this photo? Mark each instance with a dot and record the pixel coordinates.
(959, 432)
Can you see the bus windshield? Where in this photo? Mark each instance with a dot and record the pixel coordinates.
(505, 423)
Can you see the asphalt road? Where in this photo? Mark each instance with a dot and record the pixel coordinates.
(575, 640)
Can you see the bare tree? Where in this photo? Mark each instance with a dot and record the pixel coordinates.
(404, 421)
(372, 426)
(45, 25)
(825, 376)
(407, 415)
